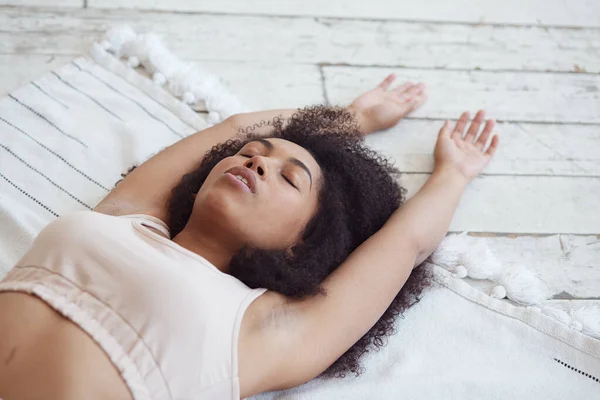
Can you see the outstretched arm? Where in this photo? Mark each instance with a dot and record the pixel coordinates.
(316, 331)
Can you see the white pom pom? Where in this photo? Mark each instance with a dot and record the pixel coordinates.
(105, 44)
(120, 35)
(147, 48)
(578, 326)
(460, 272)
(181, 80)
(479, 260)
(470, 252)
(448, 252)
(498, 292)
(560, 315)
(133, 62)
(163, 61)
(524, 286)
(188, 98)
(159, 78)
(589, 317)
(214, 117)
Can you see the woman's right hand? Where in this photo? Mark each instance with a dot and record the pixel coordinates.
(465, 154)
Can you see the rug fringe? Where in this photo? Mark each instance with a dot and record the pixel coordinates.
(468, 256)
(186, 81)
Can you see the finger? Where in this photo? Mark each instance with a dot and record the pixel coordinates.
(487, 130)
(402, 88)
(446, 129)
(419, 100)
(461, 124)
(474, 128)
(385, 84)
(409, 94)
(493, 146)
(414, 103)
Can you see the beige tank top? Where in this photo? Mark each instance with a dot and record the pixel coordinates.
(168, 319)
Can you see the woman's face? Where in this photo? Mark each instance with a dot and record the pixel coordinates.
(270, 208)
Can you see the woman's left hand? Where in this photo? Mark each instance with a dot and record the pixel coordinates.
(466, 154)
(380, 108)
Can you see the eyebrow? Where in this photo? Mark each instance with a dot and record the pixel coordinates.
(293, 160)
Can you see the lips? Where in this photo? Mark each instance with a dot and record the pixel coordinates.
(246, 174)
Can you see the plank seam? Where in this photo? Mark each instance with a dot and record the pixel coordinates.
(513, 121)
(512, 175)
(323, 85)
(568, 296)
(319, 19)
(512, 235)
(340, 65)
(476, 69)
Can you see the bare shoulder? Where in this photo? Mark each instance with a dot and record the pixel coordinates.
(117, 208)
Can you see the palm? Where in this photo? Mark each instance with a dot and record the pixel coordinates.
(466, 154)
(383, 108)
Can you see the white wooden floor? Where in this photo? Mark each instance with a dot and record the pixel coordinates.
(533, 64)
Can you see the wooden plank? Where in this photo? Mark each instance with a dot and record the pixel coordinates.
(523, 97)
(42, 3)
(529, 12)
(524, 204)
(262, 85)
(16, 71)
(566, 305)
(305, 40)
(527, 149)
(569, 264)
(563, 298)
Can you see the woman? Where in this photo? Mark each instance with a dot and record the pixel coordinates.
(277, 258)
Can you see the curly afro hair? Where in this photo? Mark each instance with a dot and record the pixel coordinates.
(358, 194)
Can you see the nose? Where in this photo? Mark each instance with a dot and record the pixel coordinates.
(258, 165)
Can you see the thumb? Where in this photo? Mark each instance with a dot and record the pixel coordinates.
(385, 84)
(446, 129)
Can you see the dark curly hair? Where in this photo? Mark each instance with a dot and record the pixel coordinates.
(359, 192)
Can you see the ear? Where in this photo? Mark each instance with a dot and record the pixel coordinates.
(290, 250)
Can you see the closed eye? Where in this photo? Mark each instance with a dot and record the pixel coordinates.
(288, 181)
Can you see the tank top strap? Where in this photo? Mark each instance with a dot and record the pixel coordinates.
(150, 221)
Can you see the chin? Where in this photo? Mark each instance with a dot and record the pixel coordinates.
(222, 205)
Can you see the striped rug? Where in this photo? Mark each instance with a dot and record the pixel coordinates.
(66, 137)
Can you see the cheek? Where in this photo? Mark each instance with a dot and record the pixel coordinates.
(287, 211)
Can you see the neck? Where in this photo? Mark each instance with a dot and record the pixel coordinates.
(207, 245)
